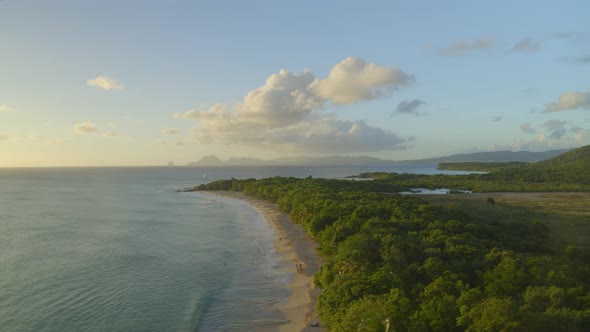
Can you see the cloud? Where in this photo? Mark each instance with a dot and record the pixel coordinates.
(32, 137)
(496, 118)
(527, 46)
(105, 83)
(175, 143)
(537, 144)
(110, 134)
(556, 127)
(170, 131)
(353, 80)
(4, 137)
(461, 47)
(527, 128)
(579, 60)
(409, 106)
(53, 141)
(85, 128)
(285, 114)
(558, 136)
(570, 101)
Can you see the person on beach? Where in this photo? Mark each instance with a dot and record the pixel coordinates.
(297, 266)
(300, 267)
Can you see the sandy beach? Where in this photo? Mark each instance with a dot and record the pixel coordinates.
(295, 246)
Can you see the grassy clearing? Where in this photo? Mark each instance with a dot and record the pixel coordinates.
(566, 214)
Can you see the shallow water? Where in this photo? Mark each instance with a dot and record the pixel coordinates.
(118, 249)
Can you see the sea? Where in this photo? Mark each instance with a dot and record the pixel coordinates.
(121, 249)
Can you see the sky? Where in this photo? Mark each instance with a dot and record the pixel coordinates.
(145, 82)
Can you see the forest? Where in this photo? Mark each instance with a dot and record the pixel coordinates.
(397, 263)
(479, 166)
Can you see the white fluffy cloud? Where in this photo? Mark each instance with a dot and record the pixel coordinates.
(104, 82)
(285, 114)
(85, 128)
(110, 134)
(461, 47)
(570, 101)
(353, 80)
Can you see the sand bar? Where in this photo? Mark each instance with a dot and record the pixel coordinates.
(294, 245)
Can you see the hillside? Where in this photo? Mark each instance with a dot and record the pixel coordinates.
(573, 156)
(492, 156)
(479, 166)
(570, 167)
(567, 172)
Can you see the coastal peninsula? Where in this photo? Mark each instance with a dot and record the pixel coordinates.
(398, 262)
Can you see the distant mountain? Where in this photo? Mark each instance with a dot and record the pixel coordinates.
(334, 160)
(210, 160)
(496, 156)
(293, 161)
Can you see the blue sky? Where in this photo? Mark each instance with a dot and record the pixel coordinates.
(142, 82)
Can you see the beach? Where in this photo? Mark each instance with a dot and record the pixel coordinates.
(294, 245)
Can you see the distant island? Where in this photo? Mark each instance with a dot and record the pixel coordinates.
(496, 156)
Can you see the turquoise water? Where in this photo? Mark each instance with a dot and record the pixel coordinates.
(118, 249)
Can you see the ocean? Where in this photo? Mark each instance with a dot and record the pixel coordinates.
(120, 249)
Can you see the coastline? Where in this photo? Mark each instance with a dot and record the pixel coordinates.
(295, 246)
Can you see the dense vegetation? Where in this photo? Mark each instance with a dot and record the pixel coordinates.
(479, 166)
(567, 172)
(396, 261)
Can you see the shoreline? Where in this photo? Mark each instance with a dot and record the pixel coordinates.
(294, 246)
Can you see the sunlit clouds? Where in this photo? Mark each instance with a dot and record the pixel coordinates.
(353, 80)
(105, 83)
(286, 113)
(170, 131)
(85, 128)
(570, 101)
(399, 81)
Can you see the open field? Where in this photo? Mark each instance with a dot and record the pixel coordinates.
(566, 214)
